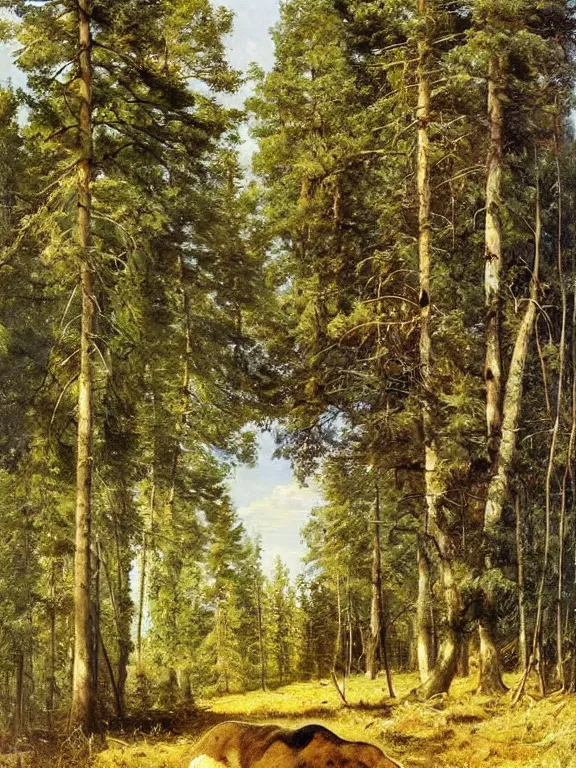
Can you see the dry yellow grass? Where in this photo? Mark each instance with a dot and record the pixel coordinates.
(459, 731)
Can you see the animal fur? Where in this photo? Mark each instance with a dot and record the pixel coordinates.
(243, 745)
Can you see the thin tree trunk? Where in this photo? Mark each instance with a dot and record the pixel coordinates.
(522, 637)
(82, 706)
(535, 659)
(562, 522)
(18, 721)
(338, 640)
(123, 610)
(349, 656)
(560, 668)
(551, 460)
(143, 572)
(261, 653)
(95, 628)
(498, 488)
(117, 698)
(52, 663)
(118, 620)
(338, 648)
(571, 608)
(384, 652)
(376, 604)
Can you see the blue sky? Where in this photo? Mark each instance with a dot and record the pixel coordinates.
(269, 500)
(273, 506)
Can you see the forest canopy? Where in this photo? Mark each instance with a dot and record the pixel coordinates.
(391, 289)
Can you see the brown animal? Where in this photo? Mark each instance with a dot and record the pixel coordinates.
(243, 745)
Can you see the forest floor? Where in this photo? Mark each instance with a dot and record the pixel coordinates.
(459, 731)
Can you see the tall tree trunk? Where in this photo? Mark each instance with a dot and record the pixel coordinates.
(534, 660)
(493, 258)
(372, 665)
(570, 630)
(424, 635)
(503, 445)
(536, 655)
(439, 679)
(490, 674)
(562, 514)
(499, 483)
(82, 706)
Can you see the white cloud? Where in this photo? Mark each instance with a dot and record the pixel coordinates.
(278, 518)
(286, 506)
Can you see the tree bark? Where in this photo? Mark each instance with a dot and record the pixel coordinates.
(498, 487)
(522, 637)
(372, 660)
(534, 659)
(490, 668)
(424, 638)
(440, 677)
(433, 491)
(83, 700)
(117, 698)
(561, 671)
(493, 259)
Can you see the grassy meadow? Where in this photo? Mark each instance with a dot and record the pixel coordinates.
(460, 731)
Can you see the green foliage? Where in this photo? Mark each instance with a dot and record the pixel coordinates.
(293, 298)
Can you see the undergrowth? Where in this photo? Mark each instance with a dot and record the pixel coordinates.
(458, 731)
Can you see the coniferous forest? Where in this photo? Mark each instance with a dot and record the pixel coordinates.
(391, 289)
